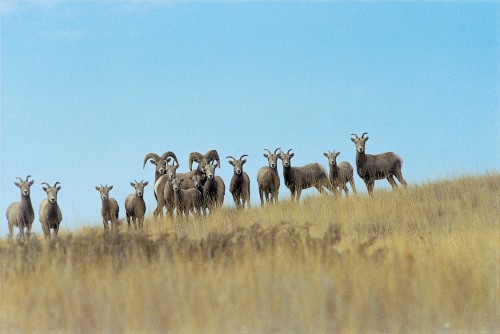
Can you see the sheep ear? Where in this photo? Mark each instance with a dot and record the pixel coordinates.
(58, 188)
(31, 183)
(17, 184)
(152, 161)
(353, 140)
(97, 188)
(132, 184)
(325, 154)
(110, 187)
(44, 189)
(265, 155)
(145, 183)
(366, 139)
(337, 154)
(243, 161)
(292, 154)
(231, 162)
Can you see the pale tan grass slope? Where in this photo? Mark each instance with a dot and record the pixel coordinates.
(419, 260)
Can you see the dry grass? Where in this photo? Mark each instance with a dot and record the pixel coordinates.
(420, 260)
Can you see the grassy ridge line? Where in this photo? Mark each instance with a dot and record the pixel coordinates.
(419, 260)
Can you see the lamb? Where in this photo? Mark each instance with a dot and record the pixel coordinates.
(186, 200)
(214, 188)
(340, 173)
(164, 193)
(376, 167)
(49, 213)
(299, 178)
(268, 179)
(135, 207)
(21, 214)
(110, 208)
(240, 182)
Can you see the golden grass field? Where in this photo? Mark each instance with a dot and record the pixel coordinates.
(420, 260)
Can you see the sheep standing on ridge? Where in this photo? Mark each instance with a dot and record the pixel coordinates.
(164, 192)
(340, 173)
(214, 188)
(299, 178)
(49, 213)
(21, 214)
(186, 200)
(135, 206)
(110, 208)
(376, 167)
(240, 182)
(268, 179)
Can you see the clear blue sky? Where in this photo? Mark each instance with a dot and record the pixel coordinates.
(88, 88)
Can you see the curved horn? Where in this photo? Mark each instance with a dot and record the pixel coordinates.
(363, 135)
(288, 151)
(267, 150)
(230, 157)
(20, 179)
(48, 185)
(194, 156)
(55, 184)
(276, 150)
(27, 177)
(212, 155)
(150, 156)
(244, 155)
(353, 134)
(171, 155)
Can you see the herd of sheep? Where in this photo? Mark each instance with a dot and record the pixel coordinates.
(199, 191)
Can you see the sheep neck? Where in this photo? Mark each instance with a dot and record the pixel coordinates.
(27, 209)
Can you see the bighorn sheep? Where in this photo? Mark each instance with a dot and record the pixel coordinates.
(186, 200)
(299, 178)
(49, 213)
(214, 188)
(376, 167)
(110, 208)
(21, 214)
(240, 182)
(135, 207)
(268, 179)
(202, 161)
(340, 173)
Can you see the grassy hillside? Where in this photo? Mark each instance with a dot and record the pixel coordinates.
(424, 259)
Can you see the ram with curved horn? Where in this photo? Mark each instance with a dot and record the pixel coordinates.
(49, 213)
(240, 182)
(160, 162)
(304, 177)
(268, 179)
(21, 214)
(378, 166)
(203, 160)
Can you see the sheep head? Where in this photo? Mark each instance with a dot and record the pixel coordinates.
(209, 170)
(160, 161)
(332, 157)
(359, 142)
(176, 184)
(286, 158)
(24, 185)
(104, 191)
(139, 187)
(272, 158)
(237, 163)
(203, 160)
(51, 191)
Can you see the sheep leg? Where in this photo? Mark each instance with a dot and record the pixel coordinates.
(105, 223)
(346, 190)
(11, 230)
(400, 178)
(370, 184)
(390, 178)
(46, 230)
(56, 231)
(351, 181)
